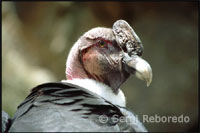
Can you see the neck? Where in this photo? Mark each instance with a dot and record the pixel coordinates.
(101, 90)
(74, 68)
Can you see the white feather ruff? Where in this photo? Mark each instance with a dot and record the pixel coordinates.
(101, 90)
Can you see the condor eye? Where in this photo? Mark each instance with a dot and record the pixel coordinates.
(101, 43)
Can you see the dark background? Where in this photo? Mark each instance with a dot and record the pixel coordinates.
(37, 36)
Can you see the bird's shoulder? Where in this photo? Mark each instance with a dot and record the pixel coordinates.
(65, 104)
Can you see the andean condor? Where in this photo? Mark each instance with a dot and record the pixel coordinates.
(90, 99)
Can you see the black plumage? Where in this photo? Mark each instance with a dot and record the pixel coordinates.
(62, 105)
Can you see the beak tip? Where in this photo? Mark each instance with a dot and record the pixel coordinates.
(145, 74)
(149, 80)
(148, 83)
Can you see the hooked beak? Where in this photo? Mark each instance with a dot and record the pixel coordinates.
(138, 66)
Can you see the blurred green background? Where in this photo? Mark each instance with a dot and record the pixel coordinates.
(37, 36)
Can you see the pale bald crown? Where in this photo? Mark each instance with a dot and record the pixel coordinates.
(105, 33)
